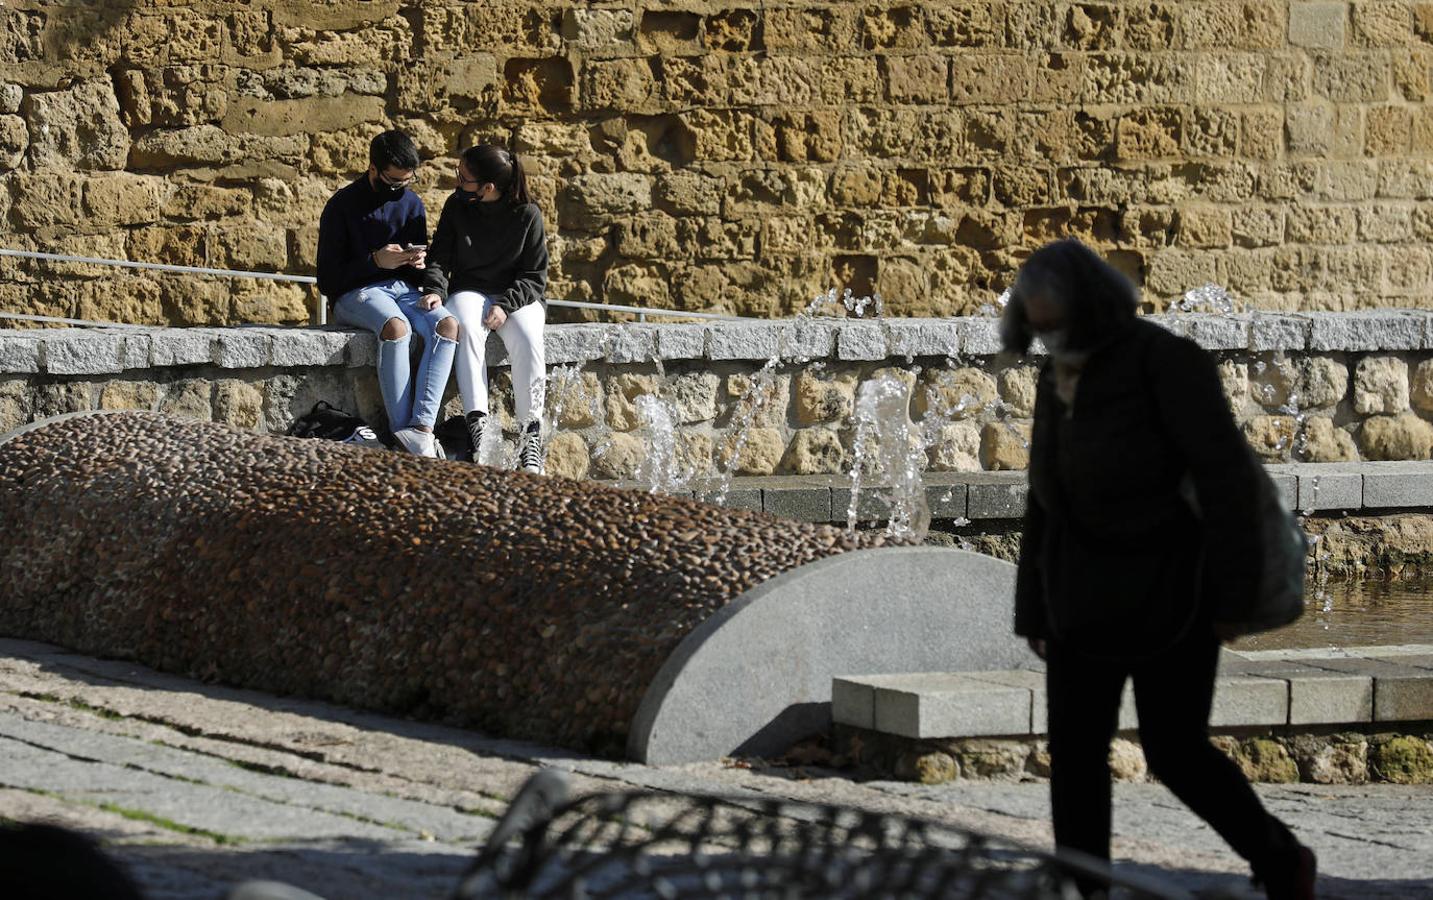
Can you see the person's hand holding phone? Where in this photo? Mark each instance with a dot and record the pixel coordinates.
(417, 255)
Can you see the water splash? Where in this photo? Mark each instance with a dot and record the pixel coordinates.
(994, 310)
(890, 454)
(1210, 298)
(661, 468)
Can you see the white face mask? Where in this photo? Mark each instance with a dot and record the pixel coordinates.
(1056, 342)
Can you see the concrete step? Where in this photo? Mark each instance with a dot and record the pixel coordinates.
(1355, 687)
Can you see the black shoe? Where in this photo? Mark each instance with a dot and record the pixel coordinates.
(1296, 879)
(529, 455)
(474, 420)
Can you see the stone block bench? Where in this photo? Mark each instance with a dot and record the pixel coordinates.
(1288, 695)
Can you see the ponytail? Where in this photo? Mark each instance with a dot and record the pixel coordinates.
(501, 168)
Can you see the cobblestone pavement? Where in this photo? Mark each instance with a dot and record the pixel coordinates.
(196, 787)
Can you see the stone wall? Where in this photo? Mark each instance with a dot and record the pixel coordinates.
(1320, 387)
(733, 155)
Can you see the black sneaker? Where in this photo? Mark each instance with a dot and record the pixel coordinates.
(474, 420)
(529, 455)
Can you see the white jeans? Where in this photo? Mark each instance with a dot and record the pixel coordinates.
(521, 334)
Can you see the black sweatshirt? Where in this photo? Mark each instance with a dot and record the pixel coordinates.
(1112, 557)
(358, 220)
(497, 249)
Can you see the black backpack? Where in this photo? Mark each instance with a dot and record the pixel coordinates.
(330, 423)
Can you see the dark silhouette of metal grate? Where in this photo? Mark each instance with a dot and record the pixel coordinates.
(647, 845)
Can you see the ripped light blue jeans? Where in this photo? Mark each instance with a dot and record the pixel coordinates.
(408, 399)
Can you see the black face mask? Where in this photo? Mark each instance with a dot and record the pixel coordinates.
(468, 196)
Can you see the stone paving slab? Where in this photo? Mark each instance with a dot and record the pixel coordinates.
(1374, 841)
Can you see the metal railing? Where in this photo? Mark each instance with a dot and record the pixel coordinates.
(641, 312)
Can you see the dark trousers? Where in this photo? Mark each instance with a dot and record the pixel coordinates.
(1173, 692)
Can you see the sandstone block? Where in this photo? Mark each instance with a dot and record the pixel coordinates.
(64, 397)
(956, 449)
(1127, 762)
(596, 195)
(1321, 381)
(47, 198)
(142, 395)
(14, 405)
(1382, 24)
(618, 456)
(1017, 390)
(1337, 759)
(764, 402)
(1352, 78)
(567, 456)
(1266, 760)
(758, 454)
(11, 95)
(916, 79)
(815, 451)
(1396, 437)
(1380, 385)
(602, 30)
(953, 393)
(624, 85)
(238, 403)
(693, 396)
(1271, 437)
(14, 138)
(1422, 392)
(1401, 759)
(1234, 380)
(623, 391)
(76, 129)
(1320, 26)
(822, 399)
(1325, 442)
(189, 399)
(576, 400)
(1005, 446)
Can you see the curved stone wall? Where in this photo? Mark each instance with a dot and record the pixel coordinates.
(730, 154)
(529, 607)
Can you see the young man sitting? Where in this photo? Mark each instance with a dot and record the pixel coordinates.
(372, 242)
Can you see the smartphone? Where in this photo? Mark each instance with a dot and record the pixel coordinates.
(411, 247)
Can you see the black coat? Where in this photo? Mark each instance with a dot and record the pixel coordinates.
(1113, 557)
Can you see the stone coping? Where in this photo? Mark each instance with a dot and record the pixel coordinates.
(97, 351)
(1305, 487)
(1355, 686)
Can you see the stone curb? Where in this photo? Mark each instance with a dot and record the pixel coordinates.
(102, 351)
(1305, 487)
(1329, 690)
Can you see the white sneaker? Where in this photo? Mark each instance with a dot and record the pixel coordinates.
(530, 456)
(418, 443)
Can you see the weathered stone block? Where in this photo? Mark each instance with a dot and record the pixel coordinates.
(577, 343)
(1380, 385)
(1403, 437)
(815, 451)
(757, 452)
(567, 456)
(1326, 443)
(238, 403)
(1320, 26)
(76, 129)
(1005, 446)
(189, 399)
(740, 340)
(682, 341)
(913, 339)
(957, 448)
(820, 399)
(182, 347)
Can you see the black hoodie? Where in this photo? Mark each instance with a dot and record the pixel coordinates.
(497, 249)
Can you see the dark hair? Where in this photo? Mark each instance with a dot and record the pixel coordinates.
(490, 164)
(1098, 299)
(393, 149)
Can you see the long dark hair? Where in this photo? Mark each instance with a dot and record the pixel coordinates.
(492, 164)
(1098, 299)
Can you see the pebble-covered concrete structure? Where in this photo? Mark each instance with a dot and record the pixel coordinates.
(529, 607)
